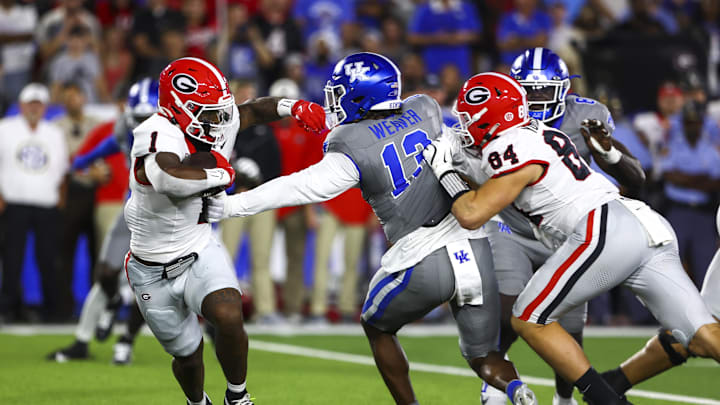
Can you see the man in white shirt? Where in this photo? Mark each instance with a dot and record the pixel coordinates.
(33, 163)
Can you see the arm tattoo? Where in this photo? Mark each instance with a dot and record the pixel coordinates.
(258, 111)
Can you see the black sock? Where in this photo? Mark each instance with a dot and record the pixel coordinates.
(126, 338)
(595, 389)
(617, 380)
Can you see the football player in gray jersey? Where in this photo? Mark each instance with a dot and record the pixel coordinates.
(375, 144)
(106, 295)
(517, 252)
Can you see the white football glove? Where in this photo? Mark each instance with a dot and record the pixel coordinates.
(248, 167)
(438, 154)
(217, 207)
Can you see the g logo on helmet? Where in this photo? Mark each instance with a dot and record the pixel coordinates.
(185, 83)
(477, 95)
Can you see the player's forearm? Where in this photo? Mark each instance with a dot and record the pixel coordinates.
(299, 188)
(259, 111)
(105, 148)
(627, 171)
(327, 179)
(183, 181)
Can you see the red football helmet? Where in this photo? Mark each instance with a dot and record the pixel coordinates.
(195, 95)
(488, 104)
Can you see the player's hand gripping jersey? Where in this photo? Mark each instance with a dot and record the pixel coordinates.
(568, 188)
(165, 227)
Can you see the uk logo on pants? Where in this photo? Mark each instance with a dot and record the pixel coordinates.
(462, 257)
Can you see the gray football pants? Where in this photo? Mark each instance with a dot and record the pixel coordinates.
(396, 299)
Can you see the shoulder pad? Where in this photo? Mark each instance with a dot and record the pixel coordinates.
(157, 134)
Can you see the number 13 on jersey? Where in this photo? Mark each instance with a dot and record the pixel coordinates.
(412, 145)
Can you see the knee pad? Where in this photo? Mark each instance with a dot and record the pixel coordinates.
(667, 339)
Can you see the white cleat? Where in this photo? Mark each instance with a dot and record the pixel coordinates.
(558, 400)
(492, 396)
(524, 396)
(122, 353)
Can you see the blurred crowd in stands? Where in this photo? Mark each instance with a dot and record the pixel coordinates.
(654, 63)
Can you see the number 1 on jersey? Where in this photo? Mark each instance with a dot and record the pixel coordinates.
(412, 144)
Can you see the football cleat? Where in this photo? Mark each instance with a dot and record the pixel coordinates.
(492, 396)
(524, 396)
(233, 398)
(76, 351)
(558, 400)
(122, 353)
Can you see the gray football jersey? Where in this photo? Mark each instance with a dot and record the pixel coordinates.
(394, 178)
(577, 109)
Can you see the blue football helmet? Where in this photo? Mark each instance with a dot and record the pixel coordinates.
(546, 79)
(142, 102)
(360, 83)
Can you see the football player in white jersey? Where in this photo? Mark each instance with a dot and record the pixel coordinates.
(176, 267)
(600, 239)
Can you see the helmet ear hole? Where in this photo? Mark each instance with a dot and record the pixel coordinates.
(358, 99)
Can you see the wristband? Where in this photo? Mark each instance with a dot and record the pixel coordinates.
(216, 177)
(453, 184)
(284, 107)
(611, 156)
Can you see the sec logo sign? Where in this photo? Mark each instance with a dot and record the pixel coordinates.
(477, 95)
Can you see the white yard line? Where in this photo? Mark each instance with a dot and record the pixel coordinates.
(450, 370)
(420, 330)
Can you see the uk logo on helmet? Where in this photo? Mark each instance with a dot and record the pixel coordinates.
(356, 71)
(184, 83)
(477, 95)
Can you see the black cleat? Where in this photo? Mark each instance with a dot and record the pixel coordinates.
(76, 351)
(234, 398)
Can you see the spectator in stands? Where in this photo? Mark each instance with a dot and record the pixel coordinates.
(78, 214)
(173, 47)
(200, 29)
(79, 63)
(33, 164)
(117, 61)
(17, 26)
(257, 160)
(646, 18)
(323, 50)
(451, 81)
(394, 41)
(55, 26)
(299, 149)
(444, 32)
(330, 15)
(240, 49)
(348, 214)
(691, 170)
(413, 73)
(653, 127)
(281, 37)
(116, 13)
(146, 36)
(566, 41)
(526, 26)
(372, 13)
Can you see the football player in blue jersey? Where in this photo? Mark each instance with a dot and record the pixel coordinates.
(375, 144)
(517, 252)
(104, 299)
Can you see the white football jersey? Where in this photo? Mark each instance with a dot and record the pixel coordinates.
(566, 191)
(164, 228)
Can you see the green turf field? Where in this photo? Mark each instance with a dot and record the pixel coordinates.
(275, 378)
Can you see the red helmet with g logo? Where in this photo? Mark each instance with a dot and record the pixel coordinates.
(488, 104)
(195, 95)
